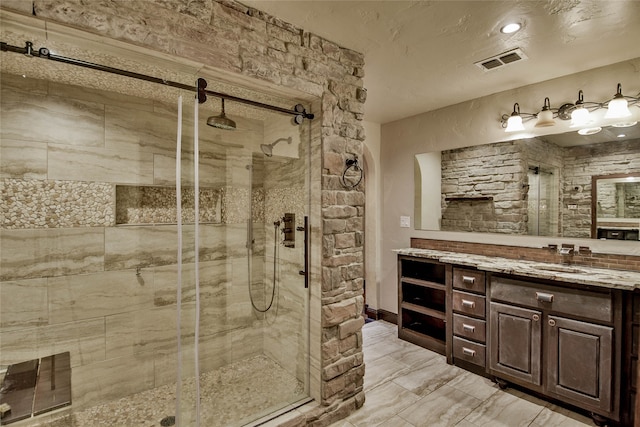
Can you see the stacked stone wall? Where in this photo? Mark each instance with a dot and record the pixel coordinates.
(581, 163)
(483, 189)
(241, 40)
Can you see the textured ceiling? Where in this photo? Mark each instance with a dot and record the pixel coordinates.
(419, 55)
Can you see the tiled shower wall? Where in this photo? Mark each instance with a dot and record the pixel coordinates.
(68, 273)
(236, 39)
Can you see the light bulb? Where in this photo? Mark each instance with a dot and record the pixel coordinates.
(580, 117)
(514, 124)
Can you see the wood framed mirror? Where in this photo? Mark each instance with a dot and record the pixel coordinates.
(615, 207)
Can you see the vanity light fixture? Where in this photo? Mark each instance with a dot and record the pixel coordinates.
(618, 107)
(545, 116)
(514, 123)
(579, 113)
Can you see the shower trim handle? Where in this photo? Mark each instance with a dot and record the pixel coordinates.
(305, 272)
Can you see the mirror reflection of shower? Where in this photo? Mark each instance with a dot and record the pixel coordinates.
(267, 149)
(543, 201)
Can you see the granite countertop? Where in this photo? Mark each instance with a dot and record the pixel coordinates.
(590, 276)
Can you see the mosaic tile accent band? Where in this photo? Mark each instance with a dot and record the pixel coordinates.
(55, 204)
(157, 205)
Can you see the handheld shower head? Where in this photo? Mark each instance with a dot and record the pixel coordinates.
(267, 149)
(221, 121)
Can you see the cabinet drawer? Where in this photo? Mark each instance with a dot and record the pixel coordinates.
(469, 280)
(468, 327)
(576, 302)
(466, 303)
(470, 351)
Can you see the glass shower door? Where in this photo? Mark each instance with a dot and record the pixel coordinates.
(252, 335)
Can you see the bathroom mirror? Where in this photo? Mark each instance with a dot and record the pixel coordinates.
(541, 185)
(616, 207)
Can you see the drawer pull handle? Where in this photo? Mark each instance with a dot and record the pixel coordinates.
(468, 328)
(468, 304)
(467, 280)
(468, 352)
(544, 297)
(552, 322)
(535, 317)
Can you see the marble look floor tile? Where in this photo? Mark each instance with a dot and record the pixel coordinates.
(429, 377)
(475, 385)
(504, 409)
(556, 416)
(380, 346)
(372, 329)
(381, 404)
(383, 370)
(465, 423)
(444, 407)
(413, 355)
(395, 422)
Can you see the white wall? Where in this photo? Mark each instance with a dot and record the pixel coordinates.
(472, 123)
(373, 213)
(427, 177)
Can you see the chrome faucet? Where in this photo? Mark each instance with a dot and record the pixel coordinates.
(566, 250)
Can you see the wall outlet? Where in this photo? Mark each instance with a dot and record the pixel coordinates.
(405, 221)
(572, 207)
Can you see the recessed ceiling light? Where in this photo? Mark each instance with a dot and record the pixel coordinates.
(622, 135)
(510, 28)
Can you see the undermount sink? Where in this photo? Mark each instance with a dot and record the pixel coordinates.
(558, 268)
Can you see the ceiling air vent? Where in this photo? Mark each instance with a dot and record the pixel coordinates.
(502, 59)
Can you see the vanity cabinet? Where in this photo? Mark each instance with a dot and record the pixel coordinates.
(468, 316)
(559, 341)
(515, 343)
(570, 342)
(422, 302)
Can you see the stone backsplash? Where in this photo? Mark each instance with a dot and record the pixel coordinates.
(582, 257)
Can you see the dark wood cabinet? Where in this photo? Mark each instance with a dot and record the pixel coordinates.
(422, 303)
(557, 340)
(468, 302)
(515, 343)
(573, 343)
(580, 363)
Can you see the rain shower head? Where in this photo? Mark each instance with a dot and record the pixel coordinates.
(267, 149)
(221, 121)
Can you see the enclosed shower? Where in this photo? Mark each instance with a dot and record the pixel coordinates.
(543, 201)
(154, 254)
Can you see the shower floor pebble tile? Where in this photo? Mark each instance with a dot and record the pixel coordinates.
(408, 386)
(230, 396)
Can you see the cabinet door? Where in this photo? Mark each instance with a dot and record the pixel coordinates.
(515, 341)
(580, 362)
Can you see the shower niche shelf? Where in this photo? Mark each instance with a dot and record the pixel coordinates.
(156, 205)
(422, 305)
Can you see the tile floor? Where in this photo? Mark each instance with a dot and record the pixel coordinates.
(408, 386)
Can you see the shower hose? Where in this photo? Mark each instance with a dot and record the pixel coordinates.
(276, 226)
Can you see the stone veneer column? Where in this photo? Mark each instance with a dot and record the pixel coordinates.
(238, 39)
